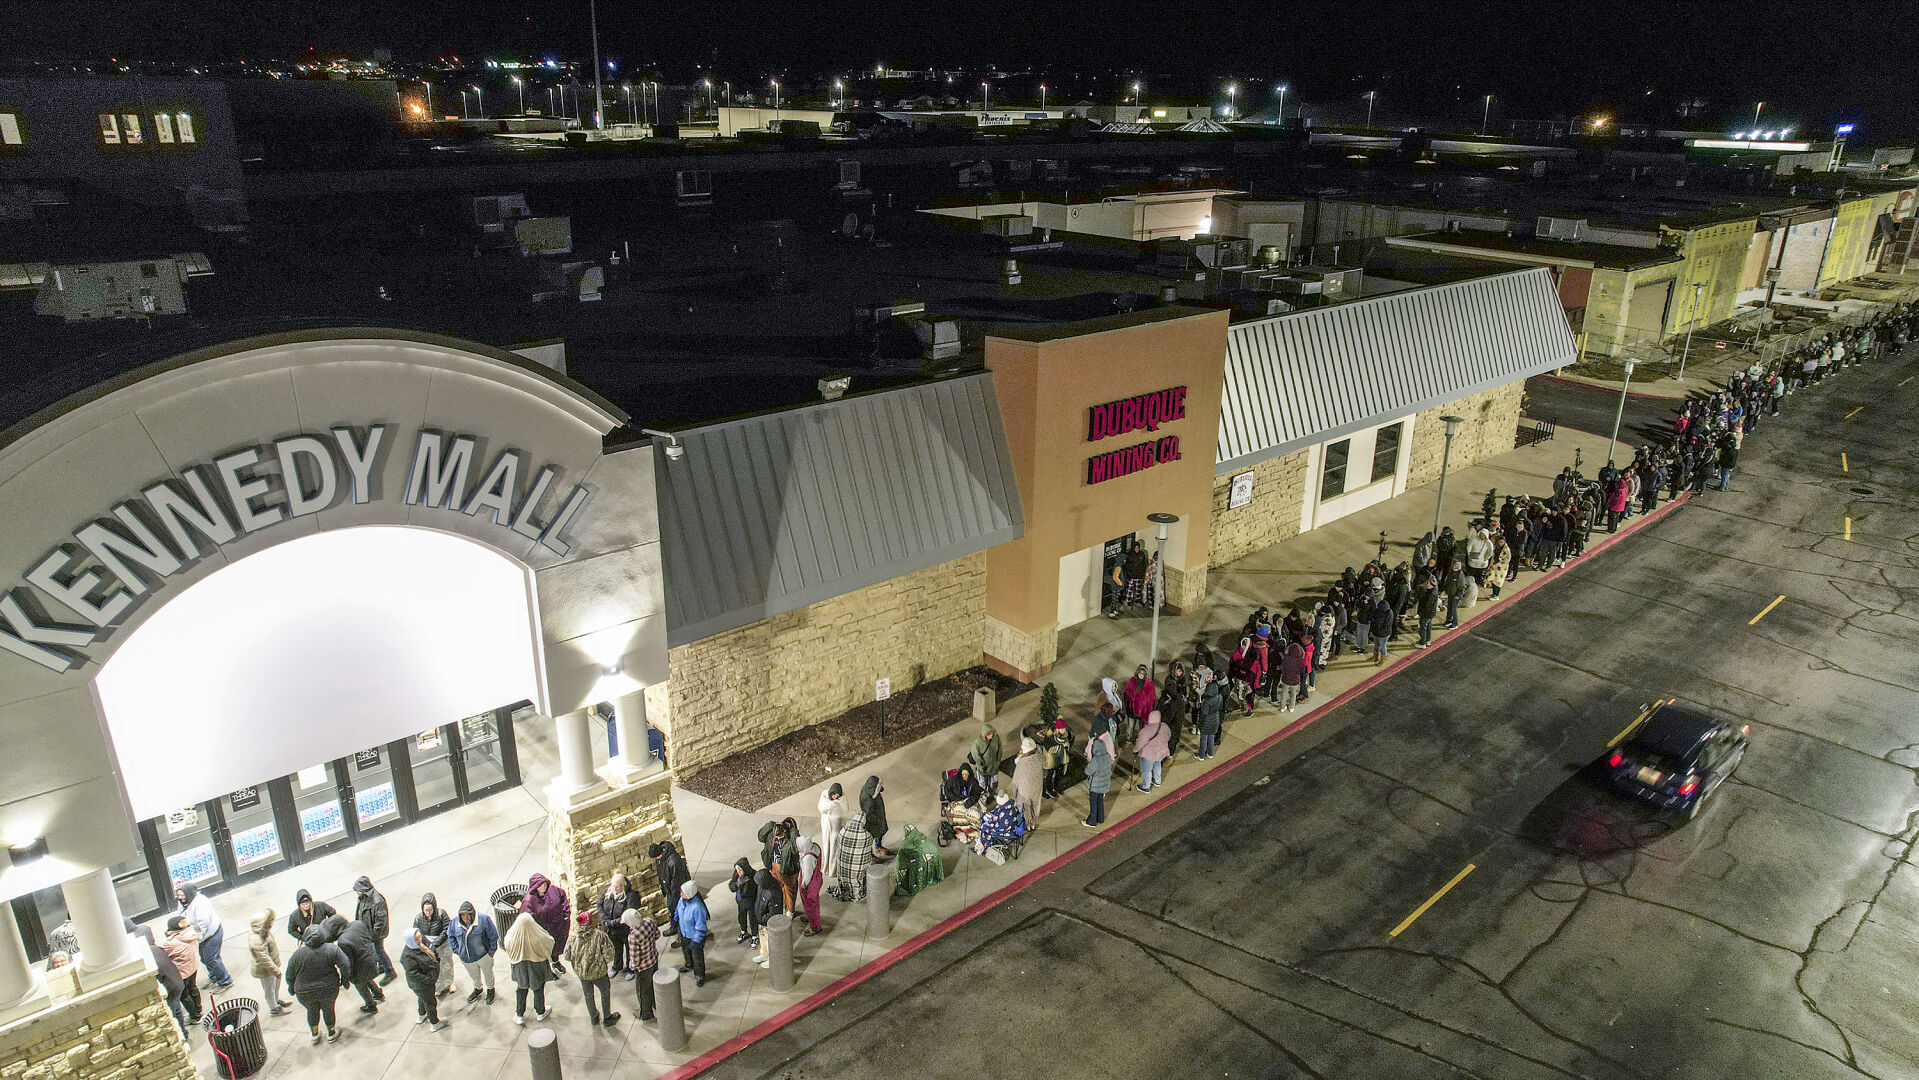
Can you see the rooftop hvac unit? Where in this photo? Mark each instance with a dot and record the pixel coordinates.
(867, 320)
(492, 213)
(1007, 226)
(846, 174)
(939, 338)
(693, 187)
(1560, 228)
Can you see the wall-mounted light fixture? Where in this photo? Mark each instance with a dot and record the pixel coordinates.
(32, 851)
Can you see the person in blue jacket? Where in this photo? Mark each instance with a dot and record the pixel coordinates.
(476, 941)
(691, 915)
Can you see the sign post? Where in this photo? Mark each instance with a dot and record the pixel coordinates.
(882, 689)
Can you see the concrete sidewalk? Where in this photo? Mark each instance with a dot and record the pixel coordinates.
(465, 854)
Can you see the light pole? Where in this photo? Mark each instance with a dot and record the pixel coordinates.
(626, 89)
(1755, 113)
(599, 100)
(466, 108)
(1136, 91)
(1370, 95)
(1282, 104)
(521, 87)
(1690, 323)
(480, 98)
(1445, 462)
(710, 103)
(429, 99)
(1620, 415)
(1232, 100)
(1159, 590)
(729, 92)
(985, 98)
(776, 99)
(1485, 114)
(1042, 97)
(839, 94)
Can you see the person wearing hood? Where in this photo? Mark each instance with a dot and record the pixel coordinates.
(529, 948)
(265, 954)
(873, 806)
(642, 957)
(613, 904)
(1212, 711)
(432, 923)
(314, 974)
(422, 970)
(769, 901)
(1029, 779)
(746, 892)
(690, 913)
(198, 910)
(166, 975)
(783, 861)
(548, 905)
(986, 755)
(1150, 747)
(1099, 773)
(1056, 746)
(307, 912)
(371, 909)
(672, 872)
(812, 877)
(1140, 695)
(363, 965)
(832, 820)
(475, 941)
(855, 855)
(591, 954)
(182, 946)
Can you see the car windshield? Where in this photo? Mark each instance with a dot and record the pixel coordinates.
(1671, 735)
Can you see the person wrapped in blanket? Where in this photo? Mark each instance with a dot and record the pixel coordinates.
(961, 786)
(1003, 824)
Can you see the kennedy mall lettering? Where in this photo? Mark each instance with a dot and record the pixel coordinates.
(1142, 412)
(112, 563)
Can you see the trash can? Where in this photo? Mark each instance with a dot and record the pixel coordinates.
(506, 903)
(233, 1031)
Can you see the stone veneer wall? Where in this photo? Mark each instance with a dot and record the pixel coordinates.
(1185, 589)
(746, 687)
(590, 842)
(1023, 654)
(1279, 497)
(1492, 421)
(121, 1031)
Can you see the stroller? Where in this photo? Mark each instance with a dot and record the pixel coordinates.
(959, 808)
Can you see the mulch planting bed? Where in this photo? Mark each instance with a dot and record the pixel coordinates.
(804, 758)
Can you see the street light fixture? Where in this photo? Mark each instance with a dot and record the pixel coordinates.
(521, 87)
(985, 98)
(1445, 462)
(1485, 114)
(1755, 113)
(1620, 415)
(627, 89)
(1370, 95)
(1282, 104)
(1159, 590)
(1042, 96)
(481, 98)
(466, 107)
(1136, 91)
(1232, 100)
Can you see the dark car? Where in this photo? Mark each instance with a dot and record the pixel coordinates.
(1676, 758)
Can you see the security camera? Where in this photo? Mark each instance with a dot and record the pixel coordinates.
(674, 450)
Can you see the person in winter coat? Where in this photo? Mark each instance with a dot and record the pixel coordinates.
(1099, 773)
(784, 862)
(1479, 552)
(198, 910)
(746, 893)
(1174, 705)
(986, 755)
(765, 907)
(642, 957)
(529, 948)
(363, 966)
(1454, 586)
(873, 805)
(1292, 675)
(672, 873)
(182, 946)
(1055, 745)
(432, 923)
(812, 877)
(855, 855)
(691, 913)
(591, 954)
(306, 912)
(314, 973)
(1426, 607)
(1212, 710)
(422, 970)
(613, 903)
(475, 941)
(1381, 618)
(371, 909)
(548, 905)
(1140, 696)
(1502, 562)
(832, 820)
(1029, 779)
(1150, 748)
(264, 953)
(169, 979)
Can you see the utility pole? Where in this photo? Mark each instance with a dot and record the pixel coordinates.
(593, 10)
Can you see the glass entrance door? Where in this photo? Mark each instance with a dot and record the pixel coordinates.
(376, 803)
(319, 805)
(188, 845)
(485, 754)
(431, 757)
(253, 830)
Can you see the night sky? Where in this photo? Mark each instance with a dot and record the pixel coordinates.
(1815, 63)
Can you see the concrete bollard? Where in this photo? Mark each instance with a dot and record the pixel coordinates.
(543, 1051)
(985, 705)
(667, 1008)
(879, 899)
(779, 952)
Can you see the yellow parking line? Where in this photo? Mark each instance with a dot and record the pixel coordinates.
(1433, 899)
(1844, 465)
(1755, 619)
(1637, 720)
(1854, 412)
(1848, 528)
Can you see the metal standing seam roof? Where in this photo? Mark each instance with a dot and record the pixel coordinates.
(772, 513)
(1303, 378)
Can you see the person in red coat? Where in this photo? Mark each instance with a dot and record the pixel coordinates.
(1140, 695)
(548, 905)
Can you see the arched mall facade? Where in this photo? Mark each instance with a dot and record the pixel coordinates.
(265, 599)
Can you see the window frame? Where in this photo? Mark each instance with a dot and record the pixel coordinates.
(183, 127)
(109, 129)
(131, 130)
(10, 117)
(1344, 447)
(1391, 465)
(163, 127)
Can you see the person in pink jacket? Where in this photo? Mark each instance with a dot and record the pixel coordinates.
(1140, 695)
(1152, 747)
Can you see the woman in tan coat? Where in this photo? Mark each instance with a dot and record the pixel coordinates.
(266, 962)
(1029, 781)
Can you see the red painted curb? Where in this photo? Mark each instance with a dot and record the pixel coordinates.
(960, 918)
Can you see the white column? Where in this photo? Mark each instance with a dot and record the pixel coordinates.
(630, 730)
(105, 945)
(576, 781)
(19, 984)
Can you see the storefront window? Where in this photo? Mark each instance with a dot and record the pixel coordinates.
(1332, 480)
(374, 800)
(432, 758)
(316, 801)
(480, 751)
(1386, 451)
(256, 836)
(186, 840)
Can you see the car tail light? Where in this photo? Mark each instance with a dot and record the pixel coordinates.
(1689, 787)
(1613, 761)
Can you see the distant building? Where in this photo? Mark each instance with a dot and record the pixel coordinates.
(117, 290)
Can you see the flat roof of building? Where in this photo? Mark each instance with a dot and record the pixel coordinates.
(1541, 250)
